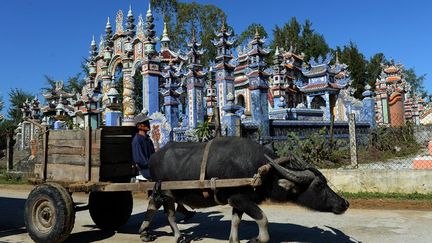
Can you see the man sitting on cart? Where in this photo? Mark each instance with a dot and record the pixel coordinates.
(142, 146)
(142, 149)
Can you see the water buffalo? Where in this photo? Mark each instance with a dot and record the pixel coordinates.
(229, 158)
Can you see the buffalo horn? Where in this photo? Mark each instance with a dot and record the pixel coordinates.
(281, 160)
(301, 177)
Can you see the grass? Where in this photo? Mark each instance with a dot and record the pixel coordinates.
(372, 155)
(10, 178)
(380, 195)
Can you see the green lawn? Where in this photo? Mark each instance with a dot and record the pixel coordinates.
(6, 178)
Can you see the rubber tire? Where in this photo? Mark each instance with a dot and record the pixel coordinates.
(68, 199)
(110, 210)
(58, 202)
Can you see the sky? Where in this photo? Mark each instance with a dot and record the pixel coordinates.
(51, 37)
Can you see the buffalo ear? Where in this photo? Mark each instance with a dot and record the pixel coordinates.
(286, 184)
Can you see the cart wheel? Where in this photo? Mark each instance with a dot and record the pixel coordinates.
(49, 214)
(110, 210)
(68, 199)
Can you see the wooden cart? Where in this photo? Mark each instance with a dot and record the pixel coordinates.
(98, 162)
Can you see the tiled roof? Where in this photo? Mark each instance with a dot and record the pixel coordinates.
(315, 71)
(320, 86)
(393, 78)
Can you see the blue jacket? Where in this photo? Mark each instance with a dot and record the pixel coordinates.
(142, 149)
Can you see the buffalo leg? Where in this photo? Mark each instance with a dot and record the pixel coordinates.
(235, 221)
(144, 229)
(244, 204)
(169, 208)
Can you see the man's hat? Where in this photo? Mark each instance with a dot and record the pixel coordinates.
(141, 117)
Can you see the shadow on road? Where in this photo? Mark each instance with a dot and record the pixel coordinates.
(210, 225)
(89, 236)
(11, 216)
(203, 225)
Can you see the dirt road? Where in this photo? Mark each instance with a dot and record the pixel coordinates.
(287, 224)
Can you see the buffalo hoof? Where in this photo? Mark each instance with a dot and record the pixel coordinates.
(182, 239)
(255, 240)
(146, 237)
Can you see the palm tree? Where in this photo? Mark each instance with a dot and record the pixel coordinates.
(203, 131)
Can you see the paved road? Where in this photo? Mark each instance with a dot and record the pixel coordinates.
(287, 224)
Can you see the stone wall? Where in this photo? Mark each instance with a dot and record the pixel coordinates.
(384, 181)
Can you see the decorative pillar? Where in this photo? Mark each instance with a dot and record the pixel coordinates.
(397, 109)
(327, 112)
(129, 108)
(113, 116)
(211, 95)
(258, 84)
(60, 116)
(278, 80)
(231, 121)
(195, 84)
(19, 136)
(128, 94)
(368, 112)
(171, 91)
(107, 55)
(150, 68)
(309, 101)
(223, 70)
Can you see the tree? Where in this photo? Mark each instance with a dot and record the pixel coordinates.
(72, 85)
(51, 84)
(288, 36)
(248, 34)
(312, 44)
(17, 97)
(75, 84)
(1, 108)
(416, 82)
(357, 65)
(168, 8)
(185, 18)
(300, 38)
(138, 92)
(7, 127)
(374, 68)
(293, 29)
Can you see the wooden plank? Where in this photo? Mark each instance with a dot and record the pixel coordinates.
(66, 150)
(67, 134)
(74, 134)
(9, 152)
(45, 157)
(96, 136)
(72, 159)
(67, 172)
(353, 140)
(167, 185)
(88, 153)
(79, 143)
